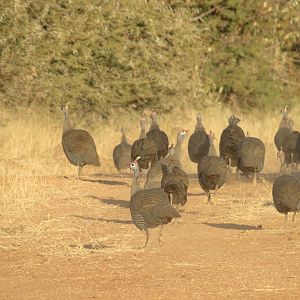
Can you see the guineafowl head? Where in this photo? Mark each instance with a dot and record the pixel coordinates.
(199, 118)
(65, 109)
(153, 115)
(199, 125)
(233, 120)
(68, 125)
(181, 135)
(134, 166)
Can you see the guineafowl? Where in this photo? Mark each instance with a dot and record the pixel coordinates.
(291, 149)
(285, 128)
(198, 145)
(158, 136)
(149, 208)
(174, 181)
(122, 153)
(211, 173)
(251, 156)
(78, 145)
(231, 138)
(144, 148)
(154, 175)
(286, 195)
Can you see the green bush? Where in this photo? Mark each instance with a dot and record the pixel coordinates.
(104, 55)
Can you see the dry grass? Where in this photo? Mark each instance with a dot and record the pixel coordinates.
(31, 142)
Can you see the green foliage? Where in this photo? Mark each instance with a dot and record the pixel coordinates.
(250, 53)
(104, 55)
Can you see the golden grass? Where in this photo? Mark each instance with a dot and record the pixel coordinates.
(31, 142)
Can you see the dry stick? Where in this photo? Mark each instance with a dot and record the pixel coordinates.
(203, 15)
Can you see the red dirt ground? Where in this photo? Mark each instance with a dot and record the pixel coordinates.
(78, 242)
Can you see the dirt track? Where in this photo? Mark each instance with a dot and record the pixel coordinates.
(78, 242)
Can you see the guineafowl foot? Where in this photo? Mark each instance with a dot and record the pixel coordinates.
(293, 220)
(161, 237)
(147, 238)
(173, 221)
(285, 220)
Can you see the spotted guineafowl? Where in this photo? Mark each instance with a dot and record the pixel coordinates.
(174, 181)
(211, 173)
(144, 148)
(154, 175)
(231, 138)
(285, 128)
(251, 156)
(198, 145)
(286, 195)
(158, 136)
(78, 145)
(149, 208)
(291, 149)
(122, 153)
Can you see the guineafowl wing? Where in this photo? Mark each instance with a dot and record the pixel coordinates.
(230, 140)
(212, 172)
(147, 151)
(175, 181)
(122, 156)
(290, 147)
(154, 175)
(198, 146)
(153, 207)
(80, 147)
(286, 193)
(116, 156)
(280, 136)
(161, 140)
(251, 155)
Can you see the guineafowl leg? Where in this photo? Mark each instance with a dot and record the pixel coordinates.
(285, 220)
(161, 237)
(209, 197)
(255, 179)
(229, 165)
(147, 237)
(293, 220)
(292, 161)
(79, 172)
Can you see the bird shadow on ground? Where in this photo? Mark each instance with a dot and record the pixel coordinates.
(233, 226)
(196, 194)
(121, 175)
(104, 181)
(121, 203)
(102, 219)
(192, 212)
(91, 246)
(111, 201)
(268, 203)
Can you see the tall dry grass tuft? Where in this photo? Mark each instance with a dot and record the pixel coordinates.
(31, 143)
